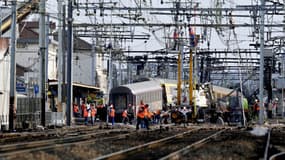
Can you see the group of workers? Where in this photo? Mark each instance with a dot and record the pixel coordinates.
(270, 109)
(88, 110)
(143, 114)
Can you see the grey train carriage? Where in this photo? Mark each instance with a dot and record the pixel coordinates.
(150, 92)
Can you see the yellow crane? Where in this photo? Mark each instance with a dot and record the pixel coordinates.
(22, 12)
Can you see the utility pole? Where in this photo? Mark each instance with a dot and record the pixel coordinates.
(191, 78)
(110, 76)
(179, 79)
(12, 67)
(42, 54)
(261, 68)
(64, 92)
(46, 54)
(94, 62)
(180, 48)
(69, 63)
(59, 54)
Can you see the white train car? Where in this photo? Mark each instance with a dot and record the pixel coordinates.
(150, 92)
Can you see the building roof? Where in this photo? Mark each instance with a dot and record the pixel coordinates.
(28, 31)
(79, 44)
(74, 84)
(20, 70)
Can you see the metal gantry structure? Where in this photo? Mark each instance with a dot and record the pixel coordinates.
(137, 20)
(219, 18)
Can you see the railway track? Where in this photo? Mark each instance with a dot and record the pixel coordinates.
(166, 143)
(273, 151)
(267, 144)
(73, 137)
(44, 135)
(233, 144)
(163, 147)
(60, 147)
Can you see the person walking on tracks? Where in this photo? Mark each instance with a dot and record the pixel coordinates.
(142, 116)
(125, 116)
(112, 114)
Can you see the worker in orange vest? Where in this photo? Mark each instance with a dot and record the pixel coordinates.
(256, 108)
(83, 106)
(142, 116)
(76, 110)
(148, 116)
(85, 115)
(112, 114)
(93, 113)
(125, 116)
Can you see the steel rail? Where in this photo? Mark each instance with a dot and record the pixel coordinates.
(267, 144)
(24, 146)
(117, 155)
(123, 153)
(15, 149)
(60, 144)
(185, 150)
(277, 156)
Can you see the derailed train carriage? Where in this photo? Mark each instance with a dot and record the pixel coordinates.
(150, 92)
(223, 105)
(214, 104)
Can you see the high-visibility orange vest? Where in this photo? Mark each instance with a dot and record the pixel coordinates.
(75, 109)
(112, 112)
(85, 112)
(150, 114)
(93, 112)
(256, 107)
(125, 114)
(147, 113)
(141, 112)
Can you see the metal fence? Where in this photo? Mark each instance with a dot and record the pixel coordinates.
(28, 113)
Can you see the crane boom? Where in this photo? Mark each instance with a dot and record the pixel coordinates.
(22, 12)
